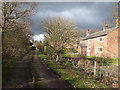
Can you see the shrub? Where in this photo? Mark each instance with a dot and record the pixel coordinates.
(69, 63)
(103, 61)
(81, 56)
(66, 56)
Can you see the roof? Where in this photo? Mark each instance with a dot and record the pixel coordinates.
(98, 34)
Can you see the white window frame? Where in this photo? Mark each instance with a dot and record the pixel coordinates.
(89, 41)
(80, 42)
(98, 49)
(99, 39)
(88, 49)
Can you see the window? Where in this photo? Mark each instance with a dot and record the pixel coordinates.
(80, 42)
(99, 39)
(100, 49)
(89, 41)
(88, 49)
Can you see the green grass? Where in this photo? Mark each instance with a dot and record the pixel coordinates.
(104, 61)
(66, 55)
(69, 55)
(9, 64)
(74, 77)
(90, 56)
(42, 55)
(115, 61)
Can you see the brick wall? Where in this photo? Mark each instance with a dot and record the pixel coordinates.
(102, 44)
(110, 44)
(112, 41)
(119, 42)
(93, 44)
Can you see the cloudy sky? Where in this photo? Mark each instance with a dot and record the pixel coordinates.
(86, 15)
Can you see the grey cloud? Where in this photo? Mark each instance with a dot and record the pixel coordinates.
(85, 14)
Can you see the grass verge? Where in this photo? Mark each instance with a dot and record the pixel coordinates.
(76, 78)
(7, 66)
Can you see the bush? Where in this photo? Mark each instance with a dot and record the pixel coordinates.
(49, 51)
(103, 61)
(43, 56)
(81, 56)
(70, 50)
(33, 48)
(69, 63)
(66, 56)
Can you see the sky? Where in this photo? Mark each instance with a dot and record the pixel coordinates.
(86, 15)
(38, 37)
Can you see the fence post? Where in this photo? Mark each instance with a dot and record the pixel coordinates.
(95, 63)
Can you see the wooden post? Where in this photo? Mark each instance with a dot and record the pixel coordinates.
(95, 63)
(79, 49)
(57, 58)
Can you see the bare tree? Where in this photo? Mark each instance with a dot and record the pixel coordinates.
(15, 12)
(59, 33)
(115, 14)
(15, 26)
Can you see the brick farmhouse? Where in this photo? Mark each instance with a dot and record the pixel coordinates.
(104, 43)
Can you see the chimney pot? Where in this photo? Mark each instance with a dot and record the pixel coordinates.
(117, 22)
(87, 32)
(105, 26)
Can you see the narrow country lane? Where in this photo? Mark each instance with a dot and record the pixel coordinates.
(47, 77)
(20, 76)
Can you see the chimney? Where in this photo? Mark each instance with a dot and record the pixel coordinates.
(105, 26)
(117, 22)
(87, 32)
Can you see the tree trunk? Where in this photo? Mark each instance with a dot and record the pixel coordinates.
(57, 58)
